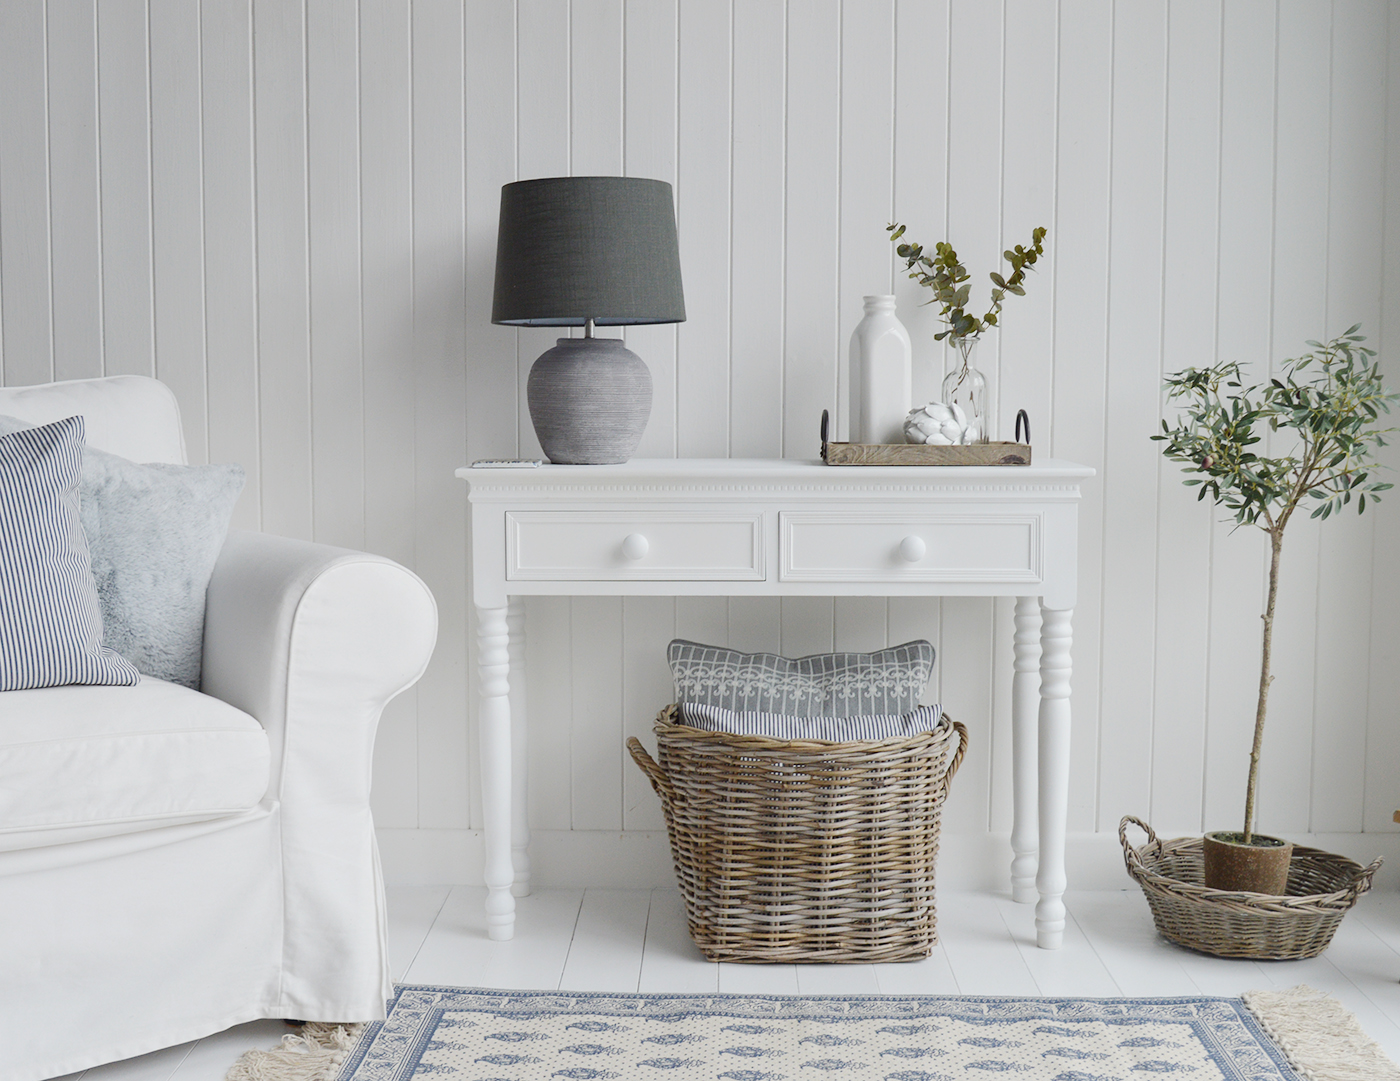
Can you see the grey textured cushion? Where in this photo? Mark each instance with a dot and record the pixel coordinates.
(828, 729)
(888, 681)
(154, 532)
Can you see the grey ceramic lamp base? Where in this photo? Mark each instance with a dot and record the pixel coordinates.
(589, 400)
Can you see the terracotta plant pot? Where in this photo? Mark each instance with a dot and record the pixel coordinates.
(1258, 867)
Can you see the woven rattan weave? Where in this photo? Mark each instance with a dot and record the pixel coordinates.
(804, 851)
(1322, 887)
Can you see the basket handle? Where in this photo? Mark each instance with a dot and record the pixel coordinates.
(1130, 854)
(958, 755)
(659, 781)
(1362, 882)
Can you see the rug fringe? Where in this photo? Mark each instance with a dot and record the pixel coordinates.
(1321, 1038)
(314, 1053)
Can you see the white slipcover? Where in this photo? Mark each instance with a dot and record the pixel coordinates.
(87, 769)
(117, 941)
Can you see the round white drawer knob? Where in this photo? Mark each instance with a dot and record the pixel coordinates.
(634, 546)
(912, 549)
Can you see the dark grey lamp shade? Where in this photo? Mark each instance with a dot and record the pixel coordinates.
(575, 248)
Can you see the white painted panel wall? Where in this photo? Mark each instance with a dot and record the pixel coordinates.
(287, 210)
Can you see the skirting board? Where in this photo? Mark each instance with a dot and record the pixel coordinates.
(585, 858)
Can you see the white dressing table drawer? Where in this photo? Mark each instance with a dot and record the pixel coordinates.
(656, 546)
(910, 547)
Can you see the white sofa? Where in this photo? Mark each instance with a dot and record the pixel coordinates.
(174, 862)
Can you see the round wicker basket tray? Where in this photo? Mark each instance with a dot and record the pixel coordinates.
(1322, 887)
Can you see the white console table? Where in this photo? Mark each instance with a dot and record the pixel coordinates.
(742, 527)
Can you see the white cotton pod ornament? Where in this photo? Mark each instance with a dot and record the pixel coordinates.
(938, 424)
(918, 425)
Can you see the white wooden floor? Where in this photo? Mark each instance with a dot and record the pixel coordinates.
(635, 940)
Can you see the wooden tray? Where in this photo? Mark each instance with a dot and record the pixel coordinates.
(997, 453)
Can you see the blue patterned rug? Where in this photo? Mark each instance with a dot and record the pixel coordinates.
(479, 1035)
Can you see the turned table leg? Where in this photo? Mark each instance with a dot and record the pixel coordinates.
(1054, 775)
(1025, 704)
(519, 756)
(493, 677)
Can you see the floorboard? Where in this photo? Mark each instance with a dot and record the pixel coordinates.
(1075, 971)
(983, 956)
(457, 952)
(155, 1066)
(671, 963)
(609, 939)
(412, 910)
(625, 940)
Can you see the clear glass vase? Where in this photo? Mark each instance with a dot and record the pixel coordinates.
(966, 388)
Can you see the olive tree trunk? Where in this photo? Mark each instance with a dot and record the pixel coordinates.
(1276, 546)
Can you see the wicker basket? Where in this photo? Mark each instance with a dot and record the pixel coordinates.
(1322, 887)
(804, 851)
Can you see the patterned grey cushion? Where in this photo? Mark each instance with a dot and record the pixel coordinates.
(748, 722)
(822, 685)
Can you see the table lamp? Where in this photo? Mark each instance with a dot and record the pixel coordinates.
(586, 251)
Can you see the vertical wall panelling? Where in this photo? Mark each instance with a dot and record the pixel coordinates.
(1025, 340)
(385, 112)
(1357, 161)
(703, 214)
(1078, 254)
(1189, 289)
(123, 111)
(921, 154)
(648, 623)
(812, 201)
(973, 226)
(284, 384)
(1245, 333)
(542, 146)
(596, 758)
(867, 169)
(596, 134)
(25, 259)
(1382, 729)
(440, 399)
(74, 230)
(492, 412)
(287, 211)
(551, 698)
(756, 227)
(595, 88)
(918, 199)
(1299, 175)
(1134, 350)
(230, 251)
(333, 176)
(177, 214)
(542, 149)
(649, 56)
(806, 626)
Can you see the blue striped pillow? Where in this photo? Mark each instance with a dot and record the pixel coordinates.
(50, 622)
(749, 722)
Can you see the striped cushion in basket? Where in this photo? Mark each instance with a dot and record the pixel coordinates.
(50, 623)
(875, 726)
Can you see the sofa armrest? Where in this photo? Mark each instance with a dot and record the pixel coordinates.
(313, 641)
